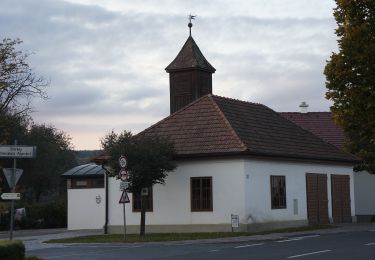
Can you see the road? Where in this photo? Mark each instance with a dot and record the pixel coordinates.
(338, 246)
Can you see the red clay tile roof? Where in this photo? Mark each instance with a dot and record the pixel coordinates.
(198, 128)
(213, 125)
(190, 57)
(320, 124)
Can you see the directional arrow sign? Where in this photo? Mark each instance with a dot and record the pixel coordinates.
(11, 196)
(12, 176)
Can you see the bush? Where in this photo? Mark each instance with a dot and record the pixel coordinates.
(46, 215)
(38, 215)
(12, 250)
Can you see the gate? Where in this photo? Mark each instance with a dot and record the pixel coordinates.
(341, 212)
(317, 198)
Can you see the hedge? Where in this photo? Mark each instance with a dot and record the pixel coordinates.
(12, 250)
(39, 215)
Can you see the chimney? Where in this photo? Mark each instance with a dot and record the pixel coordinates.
(303, 107)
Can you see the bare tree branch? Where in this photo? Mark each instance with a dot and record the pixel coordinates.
(18, 83)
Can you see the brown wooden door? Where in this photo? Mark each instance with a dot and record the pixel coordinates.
(317, 198)
(340, 186)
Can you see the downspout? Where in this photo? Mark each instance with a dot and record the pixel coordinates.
(106, 200)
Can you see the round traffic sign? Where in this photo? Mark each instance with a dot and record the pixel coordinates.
(122, 161)
(123, 174)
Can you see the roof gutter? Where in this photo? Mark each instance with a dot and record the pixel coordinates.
(267, 155)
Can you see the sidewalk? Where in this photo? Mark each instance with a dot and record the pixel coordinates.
(34, 238)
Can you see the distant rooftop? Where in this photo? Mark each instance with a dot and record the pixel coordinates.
(320, 124)
(85, 170)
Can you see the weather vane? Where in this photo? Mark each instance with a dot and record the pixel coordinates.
(191, 17)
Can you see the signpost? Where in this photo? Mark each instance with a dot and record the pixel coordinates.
(124, 198)
(235, 221)
(13, 174)
(124, 185)
(17, 151)
(123, 175)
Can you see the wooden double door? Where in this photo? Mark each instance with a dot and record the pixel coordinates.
(340, 186)
(317, 198)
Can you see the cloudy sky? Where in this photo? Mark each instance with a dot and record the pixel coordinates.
(106, 58)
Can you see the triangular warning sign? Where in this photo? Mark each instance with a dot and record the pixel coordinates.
(124, 197)
(12, 176)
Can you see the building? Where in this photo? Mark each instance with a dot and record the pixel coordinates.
(234, 158)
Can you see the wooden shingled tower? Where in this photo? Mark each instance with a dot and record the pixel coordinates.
(190, 75)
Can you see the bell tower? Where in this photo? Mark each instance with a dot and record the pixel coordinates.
(190, 74)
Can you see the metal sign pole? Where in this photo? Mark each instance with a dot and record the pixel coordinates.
(123, 205)
(11, 224)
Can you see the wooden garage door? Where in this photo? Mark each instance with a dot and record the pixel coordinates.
(317, 198)
(341, 212)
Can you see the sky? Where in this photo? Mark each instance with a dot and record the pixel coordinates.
(105, 59)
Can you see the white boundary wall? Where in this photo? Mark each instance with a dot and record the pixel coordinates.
(364, 184)
(83, 210)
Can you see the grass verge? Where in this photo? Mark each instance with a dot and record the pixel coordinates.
(157, 237)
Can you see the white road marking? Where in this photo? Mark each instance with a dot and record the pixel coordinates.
(297, 238)
(312, 253)
(215, 250)
(289, 240)
(310, 236)
(372, 230)
(249, 245)
(370, 244)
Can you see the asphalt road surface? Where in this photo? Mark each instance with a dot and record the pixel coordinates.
(339, 246)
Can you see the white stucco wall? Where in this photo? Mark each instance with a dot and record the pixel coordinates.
(83, 211)
(171, 202)
(240, 186)
(258, 195)
(364, 186)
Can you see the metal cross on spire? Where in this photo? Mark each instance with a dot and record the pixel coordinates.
(191, 17)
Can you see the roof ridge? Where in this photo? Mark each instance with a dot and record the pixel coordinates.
(227, 123)
(239, 100)
(174, 114)
(312, 112)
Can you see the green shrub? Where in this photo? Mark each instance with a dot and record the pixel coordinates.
(44, 215)
(12, 250)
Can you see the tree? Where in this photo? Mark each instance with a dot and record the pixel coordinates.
(149, 160)
(18, 83)
(350, 78)
(55, 155)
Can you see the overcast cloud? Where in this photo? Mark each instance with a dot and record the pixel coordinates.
(106, 59)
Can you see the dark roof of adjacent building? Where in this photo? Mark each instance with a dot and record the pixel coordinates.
(213, 125)
(85, 170)
(320, 124)
(190, 57)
